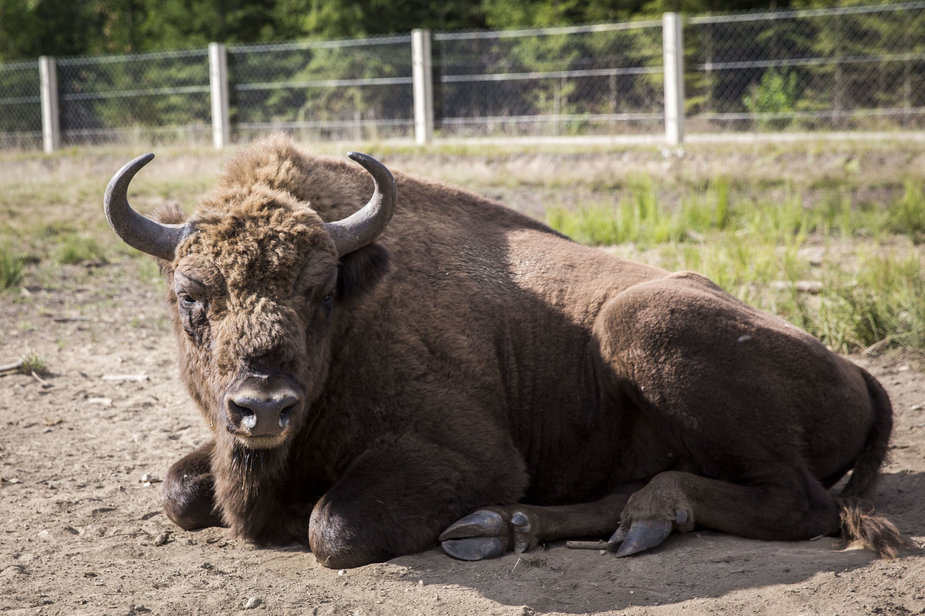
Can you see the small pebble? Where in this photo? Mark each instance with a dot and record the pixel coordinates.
(161, 539)
(252, 603)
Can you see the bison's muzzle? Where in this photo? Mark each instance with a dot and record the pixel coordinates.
(259, 409)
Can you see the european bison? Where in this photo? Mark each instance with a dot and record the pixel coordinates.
(460, 373)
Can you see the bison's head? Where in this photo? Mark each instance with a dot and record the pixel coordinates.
(254, 285)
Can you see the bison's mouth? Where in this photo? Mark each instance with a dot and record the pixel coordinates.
(260, 410)
(260, 442)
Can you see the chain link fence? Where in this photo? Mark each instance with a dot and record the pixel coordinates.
(143, 97)
(593, 80)
(20, 106)
(856, 68)
(350, 89)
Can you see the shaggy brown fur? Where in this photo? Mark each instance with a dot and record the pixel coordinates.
(472, 358)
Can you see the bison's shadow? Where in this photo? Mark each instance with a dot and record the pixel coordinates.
(699, 565)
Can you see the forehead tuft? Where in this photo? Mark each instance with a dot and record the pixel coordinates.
(259, 240)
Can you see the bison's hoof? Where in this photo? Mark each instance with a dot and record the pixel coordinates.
(642, 535)
(480, 535)
(479, 524)
(473, 548)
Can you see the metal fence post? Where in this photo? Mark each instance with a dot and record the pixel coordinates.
(51, 122)
(673, 52)
(218, 87)
(422, 84)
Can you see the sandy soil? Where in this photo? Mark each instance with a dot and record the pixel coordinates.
(82, 533)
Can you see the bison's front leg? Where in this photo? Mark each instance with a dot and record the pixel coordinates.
(396, 498)
(189, 491)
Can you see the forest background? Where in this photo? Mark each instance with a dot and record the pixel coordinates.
(30, 28)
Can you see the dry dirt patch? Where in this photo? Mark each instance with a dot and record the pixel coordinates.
(82, 533)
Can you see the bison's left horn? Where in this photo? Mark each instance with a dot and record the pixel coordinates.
(154, 238)
(365, 225)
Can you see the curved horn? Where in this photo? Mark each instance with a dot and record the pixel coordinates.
(365, 225)
(142, 233)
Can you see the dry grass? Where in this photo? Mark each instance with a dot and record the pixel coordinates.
(762, 220)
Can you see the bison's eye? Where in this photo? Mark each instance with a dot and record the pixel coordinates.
(328, 300)
(192, 316)
(187, 301)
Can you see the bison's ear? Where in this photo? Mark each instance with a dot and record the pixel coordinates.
(359, 271)
(170, 214)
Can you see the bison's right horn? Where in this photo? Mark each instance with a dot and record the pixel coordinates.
(365, 225)
(142, 233)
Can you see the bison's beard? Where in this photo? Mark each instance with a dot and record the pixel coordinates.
(247, 483)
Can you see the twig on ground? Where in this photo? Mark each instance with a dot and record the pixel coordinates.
(14, 367)
(125, 377)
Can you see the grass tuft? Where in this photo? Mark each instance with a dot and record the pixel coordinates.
(74, 249)
(907, 215)
(11, 268)
(33, 363)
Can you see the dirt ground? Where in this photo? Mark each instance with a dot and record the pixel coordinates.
(82, 449)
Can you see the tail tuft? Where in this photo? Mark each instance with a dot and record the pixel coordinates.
(860, 524)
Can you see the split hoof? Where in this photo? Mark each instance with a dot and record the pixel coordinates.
(642, 535)
(479, 524)
(473, 548)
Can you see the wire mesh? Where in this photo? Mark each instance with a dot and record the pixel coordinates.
(855, 68)
(150, 97)
(852, 68)
(20, 105)
(354, 89)
(556, 81)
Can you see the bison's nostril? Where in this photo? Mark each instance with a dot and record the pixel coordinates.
(259, 415)
(248, 420)
(284, 416)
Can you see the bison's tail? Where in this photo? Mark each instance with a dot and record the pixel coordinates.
(863, 481)
(859, 523)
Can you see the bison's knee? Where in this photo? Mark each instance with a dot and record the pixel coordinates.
(189, 497)
(342, 542)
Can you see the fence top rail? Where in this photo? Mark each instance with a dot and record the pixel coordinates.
(802, 13)
(133, 57)
(19, 65)
(588, 29)
(382, 40)
(818, 61)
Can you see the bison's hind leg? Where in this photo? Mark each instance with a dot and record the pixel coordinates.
(492, 531)
(189, 491)
(791, 507)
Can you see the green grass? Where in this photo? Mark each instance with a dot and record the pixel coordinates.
(33, 363)
(76, 248)
(11, 268)
(850, 274)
